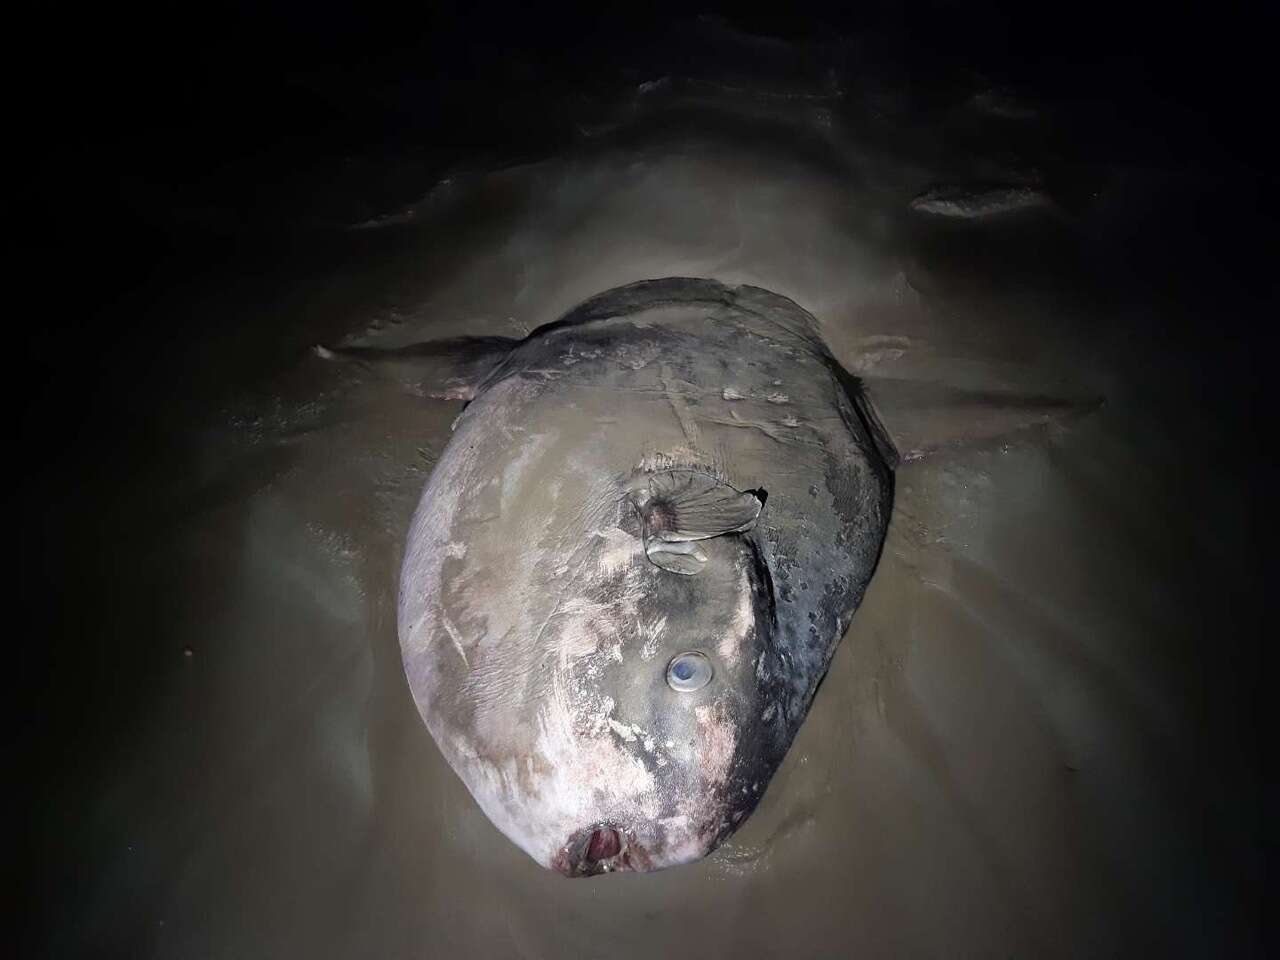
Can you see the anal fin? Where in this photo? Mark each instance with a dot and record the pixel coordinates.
(922, 418)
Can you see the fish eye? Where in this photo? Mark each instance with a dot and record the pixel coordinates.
(688, 672)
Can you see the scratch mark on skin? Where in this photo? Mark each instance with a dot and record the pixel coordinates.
(652, 631)
(450, 629)
(565, 583)
(670, 386)
(678, 405)
(767, 429)
(773, 396)
(550, 616)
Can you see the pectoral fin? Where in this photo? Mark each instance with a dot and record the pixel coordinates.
(442, 369)
(688, 505)
(683, 506)
(683, 558)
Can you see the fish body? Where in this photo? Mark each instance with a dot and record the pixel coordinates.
(632, 564)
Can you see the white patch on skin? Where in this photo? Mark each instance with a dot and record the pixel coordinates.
(456, 549)
(622, 730)
(620, 549)
(688, 850)
(733, 393)
(573, 643)
(634, 732)
(580, 625)
(778, 397)
(682, 750)
(581, 778)
(716, 741)
(529, 447)
(636, 356)
(731, 644)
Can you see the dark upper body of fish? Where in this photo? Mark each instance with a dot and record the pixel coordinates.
(632, 564)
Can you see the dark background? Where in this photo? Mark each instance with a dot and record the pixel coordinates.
(199, 147)
(177, 145)
(185, 141)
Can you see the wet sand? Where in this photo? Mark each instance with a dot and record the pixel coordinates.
(1035, 739)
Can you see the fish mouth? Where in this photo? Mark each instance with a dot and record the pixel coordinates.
(601, 848)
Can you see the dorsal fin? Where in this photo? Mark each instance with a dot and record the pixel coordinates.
(444, 369)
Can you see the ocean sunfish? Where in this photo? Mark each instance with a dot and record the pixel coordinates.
(632, 564)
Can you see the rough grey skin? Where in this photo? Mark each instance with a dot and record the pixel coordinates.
(675, 466)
